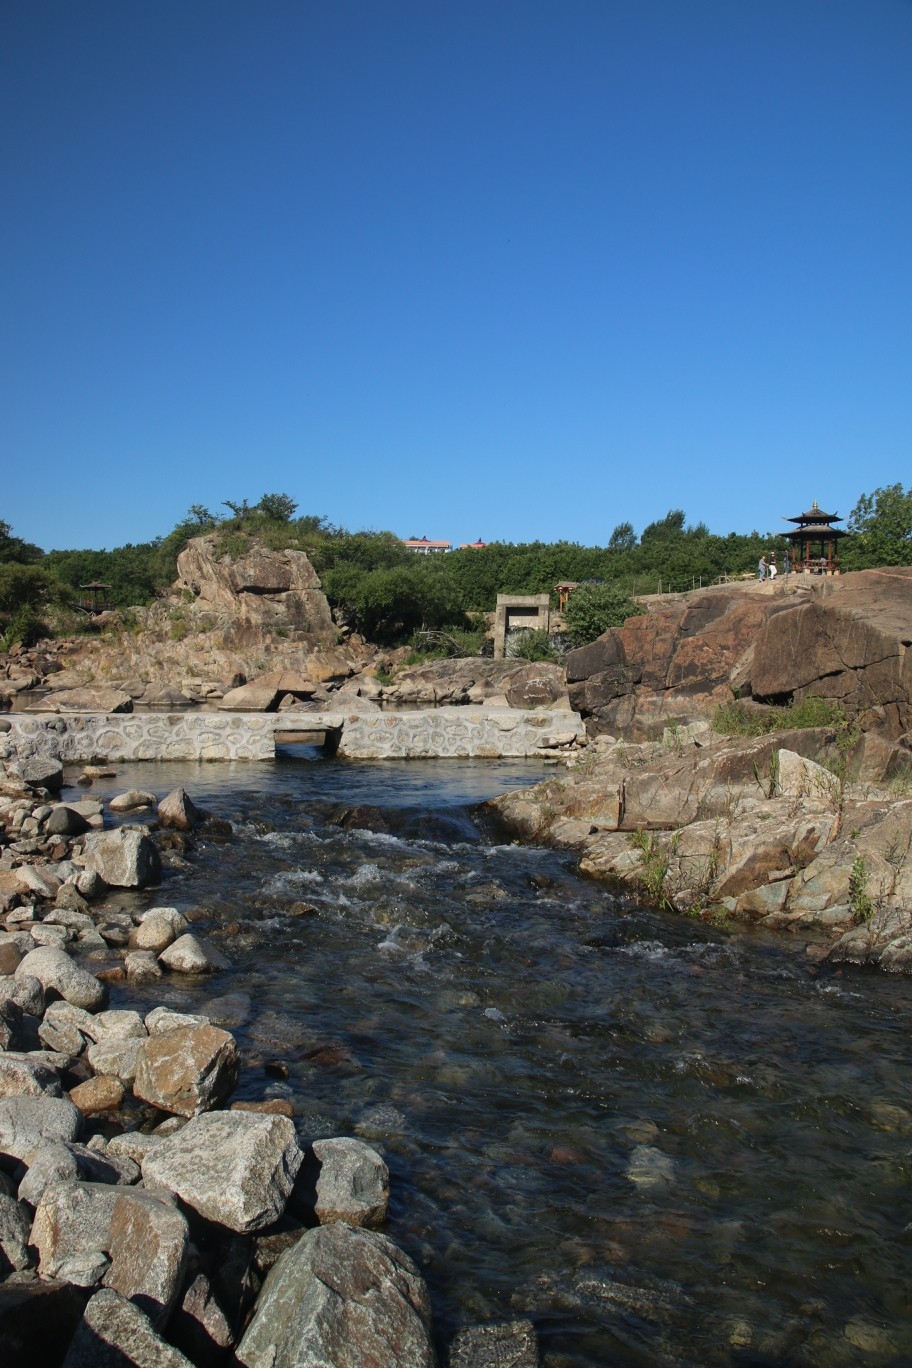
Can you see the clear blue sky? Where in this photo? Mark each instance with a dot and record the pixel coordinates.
(510, 269)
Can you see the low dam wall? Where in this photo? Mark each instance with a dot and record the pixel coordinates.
(457, 731)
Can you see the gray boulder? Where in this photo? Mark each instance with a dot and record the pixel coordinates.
(344, 1297)
(132, 801)
(24, 1077)
(27, 1124)
(114, 1059)
(178, 810)
(15, 1224)
(236, 1168)
(64, 821)
(507, 1344)
(55, 971)
(39, 772)
(108, 1027)
(188, 955)
(122, 858)
(64, 1163)
(342, 1180)
(144, 1238)
(198, 1325)
(11, 1026)
(25, 990)
(113, 1333)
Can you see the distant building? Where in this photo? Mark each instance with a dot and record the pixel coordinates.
(473, 546)
(423, 547)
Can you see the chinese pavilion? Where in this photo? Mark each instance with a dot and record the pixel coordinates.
(815, 534)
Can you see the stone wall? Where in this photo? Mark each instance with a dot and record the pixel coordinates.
(98, 737)
(95, 737)
(487, 734)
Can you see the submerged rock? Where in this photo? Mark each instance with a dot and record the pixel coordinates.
(508, 1344)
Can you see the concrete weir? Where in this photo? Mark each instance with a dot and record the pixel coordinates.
(459, 731)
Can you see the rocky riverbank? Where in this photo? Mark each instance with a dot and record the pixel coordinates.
(145, 1217)
(770, 829)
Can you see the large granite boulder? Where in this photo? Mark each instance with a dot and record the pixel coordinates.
(24, 1077)
(250, 698)
(123, 858)
(178, 810)
(29, 1123)
(62, 1163)
(344, 1297)
(235, 1168)
(143, 1237)
(188, 1070)
(57, 973)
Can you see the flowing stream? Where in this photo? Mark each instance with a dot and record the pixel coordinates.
(667, 1143)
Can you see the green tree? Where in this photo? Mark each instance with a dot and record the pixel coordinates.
(882, 526)
(277, 507)
(623, 538)
(593, 608)
(15, 549)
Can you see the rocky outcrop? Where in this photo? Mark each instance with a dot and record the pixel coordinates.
(479, 679)
(755, 829)
(842, 638)
(259, 591)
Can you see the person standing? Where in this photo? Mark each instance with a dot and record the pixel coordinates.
(761, 569)
(786, 563)
(773, 572)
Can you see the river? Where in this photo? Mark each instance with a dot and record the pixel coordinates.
(668, 1143)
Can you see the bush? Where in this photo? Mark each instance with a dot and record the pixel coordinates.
(734, 719)
(532, 644)
(593, 608)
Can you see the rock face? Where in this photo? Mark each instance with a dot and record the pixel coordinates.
(258, 592)
(144, 1238)
(113, 1333)
(124, 859)
(341, 1296)
(837, 638)
(187, 1071)
(236, 1168)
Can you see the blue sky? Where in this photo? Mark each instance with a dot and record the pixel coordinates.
(509, 270)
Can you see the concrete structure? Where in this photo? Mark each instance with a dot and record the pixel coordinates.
(516, 613)
(460, 731)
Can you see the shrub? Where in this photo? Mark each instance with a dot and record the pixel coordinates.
(861, 904)
(531, 644)
(593, 608)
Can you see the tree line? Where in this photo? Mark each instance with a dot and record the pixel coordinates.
(388, 593)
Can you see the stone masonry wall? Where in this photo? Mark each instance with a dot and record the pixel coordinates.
(463, 731)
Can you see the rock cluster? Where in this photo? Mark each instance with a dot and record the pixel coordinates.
(841, 639)
(757, 829)
(114, 1250)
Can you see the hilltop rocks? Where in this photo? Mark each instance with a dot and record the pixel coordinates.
(236, 1168)
(836, 638)
(341, 1296)
(259, 591)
